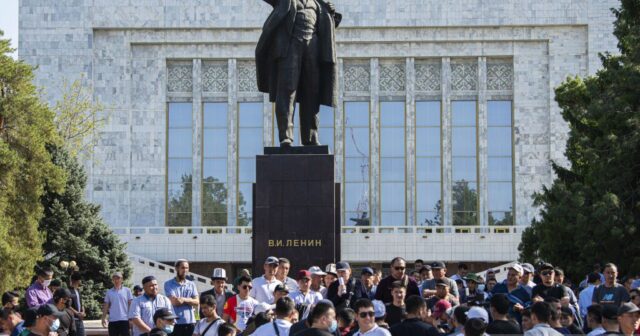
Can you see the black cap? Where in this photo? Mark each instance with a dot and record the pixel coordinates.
(367, 270)
(438, 265)
(342, 265)
(610, 312)
(49, 310)
(425, 268)
(545, 266)
(137, 288)
(164, 313)
(281, 288)
(440, 282)
(627, 307)
(147, 279)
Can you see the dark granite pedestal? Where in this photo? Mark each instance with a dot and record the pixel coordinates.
(296, 206)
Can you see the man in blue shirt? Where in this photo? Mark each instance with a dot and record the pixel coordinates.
(143, 307)
(116, 303)
(517, 295)
(184, 297)
(11, 321)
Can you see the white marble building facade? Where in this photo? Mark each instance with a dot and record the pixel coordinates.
(446, 111)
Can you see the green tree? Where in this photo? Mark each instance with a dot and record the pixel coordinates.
(591, 213)
(26, 127)
(465, 204)
(75, 231)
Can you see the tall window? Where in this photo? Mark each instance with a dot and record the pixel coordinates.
(464, 191)
(428, 167)
(250, 144)
(500, 163)
(179, 164)
(356, 163)
(214, 172)
(392, 163)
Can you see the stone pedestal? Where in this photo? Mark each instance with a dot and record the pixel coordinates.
(296, 206)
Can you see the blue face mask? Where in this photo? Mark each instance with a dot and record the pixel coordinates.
(54, 327)
(333, 327)
(168, 328)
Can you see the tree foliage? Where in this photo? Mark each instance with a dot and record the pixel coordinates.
(26, 127)
(591, 213)
(75, 231)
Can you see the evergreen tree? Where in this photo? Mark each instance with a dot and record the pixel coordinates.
(75, 231)
(26, 126)
(591, 213)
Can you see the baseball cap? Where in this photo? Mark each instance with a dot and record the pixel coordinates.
(148, 278)
(262, 307)
(304, 274)
(425, 268)
(471, 277)
(342, 266)
(164, 313)
(219, 274)
(137, 288)
(116, 275)
(272, 261)
(440, 308)
(437, 265)
(379, 309)
(528, 268)
(331, 269)
(517, 268)
(315, 270)
(627, 307)
(30, 315)
(479, 313)
(610, 312)
(281, 288)
(545, 266)
(61, 293)
(367, 270)
(440, 282)
(49, 310)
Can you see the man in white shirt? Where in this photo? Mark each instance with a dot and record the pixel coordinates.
(365, 316)
(264, 285)
(304, 297)
(239, 308)
(586, 295)
(284, 265)
(285, 311)
(316, 280)
(594, 319)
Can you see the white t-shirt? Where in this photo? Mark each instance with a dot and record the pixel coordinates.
(268, 329)
(263, 290)
(309, 299)
(202, 325)
(244, 310)
(375, 331)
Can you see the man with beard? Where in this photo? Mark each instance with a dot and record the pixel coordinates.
(184, 297)
(143, 307)
(398, 269)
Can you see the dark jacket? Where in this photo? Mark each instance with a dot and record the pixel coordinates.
(413, 327)
(355, 291)
(274, 44)
(383, 292)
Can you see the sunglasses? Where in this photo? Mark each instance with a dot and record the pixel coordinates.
(546, 273)
(247, 287)
(365, 314)
(633, 297)
(399, 268)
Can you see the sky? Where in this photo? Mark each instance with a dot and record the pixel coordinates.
(9, 22)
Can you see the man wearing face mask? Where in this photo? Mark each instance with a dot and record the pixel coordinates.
(165, 321)
(322, 320)
(61, 299)
(39, 293)
(144, 307)
(42, 321)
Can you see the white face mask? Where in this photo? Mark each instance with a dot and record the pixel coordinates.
(46, 283)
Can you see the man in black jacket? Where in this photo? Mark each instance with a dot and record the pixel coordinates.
(296, 62)
(414, 324)
(398, 270)
(347, 290)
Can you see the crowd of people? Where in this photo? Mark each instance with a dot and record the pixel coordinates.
(534, 301)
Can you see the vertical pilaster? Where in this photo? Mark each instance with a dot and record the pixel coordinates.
(446, 142)
(196, 149)
(267, 117)
(374, 155)
(482, 141)
(338, 139)
(232, 140)
(410, 131)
